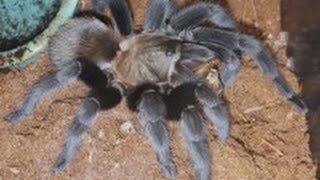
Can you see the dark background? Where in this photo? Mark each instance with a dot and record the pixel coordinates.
(302, 20)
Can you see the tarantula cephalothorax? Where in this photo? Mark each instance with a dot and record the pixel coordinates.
(156, 70)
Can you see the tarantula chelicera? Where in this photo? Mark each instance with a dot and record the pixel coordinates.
(157, 71)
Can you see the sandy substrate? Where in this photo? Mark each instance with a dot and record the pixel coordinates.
(269, 138)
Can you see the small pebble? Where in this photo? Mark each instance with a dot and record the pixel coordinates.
(14, 170)
(127, 128)
(289, 116)
(118, 141)
(101, 134)
(290, 64)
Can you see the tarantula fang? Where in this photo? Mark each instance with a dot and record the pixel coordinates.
(155, 71)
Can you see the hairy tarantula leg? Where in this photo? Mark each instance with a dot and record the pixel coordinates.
(193, 55)
(85, 119)
(253, 48)
(62, 77)
(122, 17)
(152, 111)
(227, 39)
(215, 109)
(180, 74)
(194, 15)
(196, 52)
(102, 99)
(193, 133)
(158, 14)
(225, 45)
(263, 59)
(231, 63)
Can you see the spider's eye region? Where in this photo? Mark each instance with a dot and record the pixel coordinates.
(171, 49)
(167, 21)
(170, 52)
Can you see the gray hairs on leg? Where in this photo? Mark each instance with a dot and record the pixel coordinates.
(215, 109)
(193, 132)
(152, 112)
(120, 10)
(219, 43)
(85, 119)
(266, 64)
(62, 77)
(194, 15)
(159, 11)
(230, 63)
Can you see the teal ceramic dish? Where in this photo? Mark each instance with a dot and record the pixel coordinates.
(26, 26)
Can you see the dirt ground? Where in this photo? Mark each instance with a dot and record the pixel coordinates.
(269, 138)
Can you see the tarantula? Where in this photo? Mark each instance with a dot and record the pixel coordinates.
(155, 70)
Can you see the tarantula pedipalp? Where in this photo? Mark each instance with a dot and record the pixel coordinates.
(154, 70)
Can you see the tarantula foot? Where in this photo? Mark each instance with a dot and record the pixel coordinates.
(298, 104)
(16, 116)
(60, 165)
(170, 171)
